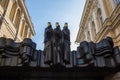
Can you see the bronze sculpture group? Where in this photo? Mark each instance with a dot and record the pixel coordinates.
(57, 44)
(57, 51)
(91, 61)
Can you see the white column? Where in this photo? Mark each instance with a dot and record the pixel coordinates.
(20, 26)
(15, 16)
(96, 21)
(90, 29)
(17, 32)
(21, 23)
(10, 4)
(28, 32)
(23, 33)
(86, 35)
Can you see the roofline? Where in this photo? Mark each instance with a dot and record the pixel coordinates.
(82, 19)
(28, 16)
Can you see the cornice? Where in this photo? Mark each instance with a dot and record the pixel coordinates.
(85, 15)
(109, 24)
(27, 15)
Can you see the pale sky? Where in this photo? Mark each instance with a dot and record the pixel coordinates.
(43, 11)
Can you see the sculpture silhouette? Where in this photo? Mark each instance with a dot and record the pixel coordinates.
(66, 44)
(57, 52)
(90, 61)
(57, 43)
(48, 44)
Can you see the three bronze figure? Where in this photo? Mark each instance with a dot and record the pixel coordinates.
(57, 44)
(57, 51)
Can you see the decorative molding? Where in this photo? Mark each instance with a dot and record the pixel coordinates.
(108, 24)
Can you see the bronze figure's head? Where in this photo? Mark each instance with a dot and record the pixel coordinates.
(57, 24)
(66, 25)
(49, 24)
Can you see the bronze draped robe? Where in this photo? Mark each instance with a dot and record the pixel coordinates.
(57, 54)
(48, 48)
(66, 45)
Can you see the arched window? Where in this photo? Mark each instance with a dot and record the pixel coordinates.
(17, 18)
(13, 10)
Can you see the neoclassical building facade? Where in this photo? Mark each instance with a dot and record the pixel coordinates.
(100, 18)
(15, 21)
